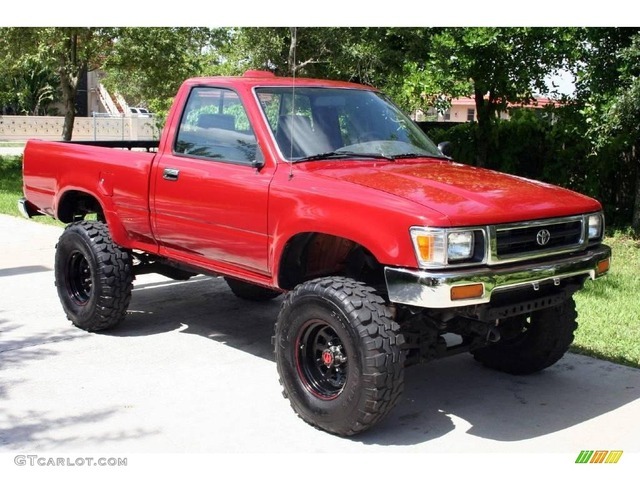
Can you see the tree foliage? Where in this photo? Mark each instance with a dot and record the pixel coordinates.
(608, 96)
(69, 52)
(365, 55)
(497, 65)
(147, 65)
(27, 87)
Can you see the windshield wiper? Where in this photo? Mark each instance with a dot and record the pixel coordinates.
(416, 155)
(336, 154)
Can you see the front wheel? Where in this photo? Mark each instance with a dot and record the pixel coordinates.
(93, 276)
(339, 355)
(530, 343)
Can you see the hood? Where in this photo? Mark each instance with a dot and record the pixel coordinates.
(465, 195)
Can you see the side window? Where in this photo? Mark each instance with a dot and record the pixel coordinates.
(471, 114)
(215, 126)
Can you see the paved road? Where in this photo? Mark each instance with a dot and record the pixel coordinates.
(191, 370)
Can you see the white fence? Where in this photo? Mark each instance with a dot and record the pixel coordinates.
(21, 128)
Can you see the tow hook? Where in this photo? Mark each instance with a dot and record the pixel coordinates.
(493, 335)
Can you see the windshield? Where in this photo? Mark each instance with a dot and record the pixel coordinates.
(319, 121)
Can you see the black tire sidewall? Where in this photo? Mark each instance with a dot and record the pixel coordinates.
(336, 412)
(547, 340)
(76, 240)
(111, 276)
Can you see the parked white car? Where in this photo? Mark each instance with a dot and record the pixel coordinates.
(139, 112)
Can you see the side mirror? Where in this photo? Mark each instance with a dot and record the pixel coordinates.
(445, 148)
(258, 162)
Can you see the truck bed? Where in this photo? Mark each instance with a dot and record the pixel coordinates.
(148, 145)
(116, 171)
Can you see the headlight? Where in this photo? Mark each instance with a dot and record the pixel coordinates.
(459, 245)
(438, 247)
(596, 224)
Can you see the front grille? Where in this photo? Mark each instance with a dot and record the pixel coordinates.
(541, 237)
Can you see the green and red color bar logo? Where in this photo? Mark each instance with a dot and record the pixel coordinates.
(599, 456)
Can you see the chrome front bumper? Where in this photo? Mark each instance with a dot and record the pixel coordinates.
(432, 289)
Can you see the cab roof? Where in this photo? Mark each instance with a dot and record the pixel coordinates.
(261, 78)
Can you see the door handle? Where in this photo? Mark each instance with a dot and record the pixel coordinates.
(171, 174)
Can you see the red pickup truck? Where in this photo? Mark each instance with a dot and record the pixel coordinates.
(389, 252)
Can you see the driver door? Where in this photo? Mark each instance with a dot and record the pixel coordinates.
(210, 201)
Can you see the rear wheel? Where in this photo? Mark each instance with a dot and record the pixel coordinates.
(532, 342)
(339, 356)
(93, 276)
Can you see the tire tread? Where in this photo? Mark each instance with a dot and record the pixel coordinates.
(115, 275)
(383, 375)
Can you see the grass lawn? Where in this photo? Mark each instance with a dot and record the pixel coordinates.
(10, 184)
(608, 309)
(11, 188)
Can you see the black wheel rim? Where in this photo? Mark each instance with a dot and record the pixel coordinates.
(79, 278)
(321, 360)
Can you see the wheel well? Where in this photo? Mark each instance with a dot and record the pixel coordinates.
(313, 255)
(76, 205)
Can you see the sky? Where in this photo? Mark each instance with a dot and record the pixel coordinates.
(563, 82)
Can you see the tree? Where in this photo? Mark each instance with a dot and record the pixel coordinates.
(498, 66)
(371, 56)
(609, 98)
(70, 52)
(305, 51)
(147, 65)
(27, 87)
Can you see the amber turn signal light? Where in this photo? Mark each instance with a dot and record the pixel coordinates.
(463, 292)
(425, 245)
(603, 266)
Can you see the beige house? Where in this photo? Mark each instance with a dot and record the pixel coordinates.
(463, 109)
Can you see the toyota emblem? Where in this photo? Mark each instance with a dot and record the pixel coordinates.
(543, 237)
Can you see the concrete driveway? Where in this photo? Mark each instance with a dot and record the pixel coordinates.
(191, 370)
